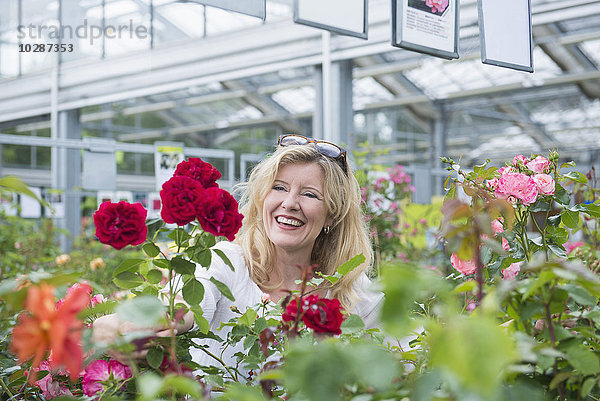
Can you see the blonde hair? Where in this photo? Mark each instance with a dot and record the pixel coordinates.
(347, 238)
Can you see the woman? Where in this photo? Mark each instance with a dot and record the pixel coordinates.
(301, 207)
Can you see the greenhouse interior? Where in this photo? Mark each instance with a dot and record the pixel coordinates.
(447, 246)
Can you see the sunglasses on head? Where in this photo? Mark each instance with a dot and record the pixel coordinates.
(325, 148)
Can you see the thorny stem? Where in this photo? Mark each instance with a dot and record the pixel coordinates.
(219, 360)
(523, 235)
(6, 389)
(479, 267)
(561, 390)
(542, 232)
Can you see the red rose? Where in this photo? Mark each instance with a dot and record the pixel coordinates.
(180, 197)
(121, 224)
(218, 213)
(320, 314)
(200, 171)
(291, 311)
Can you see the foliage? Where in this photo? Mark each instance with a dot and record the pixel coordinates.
(401, 230)
(522, 325)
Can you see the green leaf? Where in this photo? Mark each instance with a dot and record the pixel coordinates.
(351, 264)
(554, 221)
(248, 318)
(180, 236)
(143, 311)
(162, 263)
(249, 341)
(193, 292)
(557, 235)
(154, 276)
(154, 357)
(570, 219)
(223, 288)
(539, 241)
(561, 195)
(203, 257)
(15, 184)
(128, 280)
(540, 206)
(576, 176)
(583, 360)
(485, 253)
(224, 257)
(580, 295)
(558, 250)
(183, 266)
(353, 324)
(260, 324)
(587, 386)
(154, 225)
(466, 286)
(103, 308)
(151, 249)
(593, 209)
(128, 265)
(203, 325)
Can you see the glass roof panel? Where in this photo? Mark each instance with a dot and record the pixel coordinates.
(592, 49)
(296, 100)
(367, 90)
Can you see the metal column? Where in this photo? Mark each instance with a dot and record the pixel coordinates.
(342, 114)
(438, 145)
(66, 176)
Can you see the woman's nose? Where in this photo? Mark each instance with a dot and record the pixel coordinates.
(290, 202)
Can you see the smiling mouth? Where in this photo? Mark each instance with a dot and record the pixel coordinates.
(289, 222)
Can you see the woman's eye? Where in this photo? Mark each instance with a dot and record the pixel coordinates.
(278, 188)
(310, 195)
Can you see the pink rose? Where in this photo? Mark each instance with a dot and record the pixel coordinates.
(466, 267)
(519, 158)
(97, 299)
(519, 185)
(506, 170)
(492, 184)
(538, 165)
(571, 246)
(99, 372)
(544, 184)
(511, 271)
(51, 388)
(497, 226)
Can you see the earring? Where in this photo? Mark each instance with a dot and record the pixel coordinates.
(327, 229)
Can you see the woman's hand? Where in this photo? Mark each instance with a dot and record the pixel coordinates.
(107, 330)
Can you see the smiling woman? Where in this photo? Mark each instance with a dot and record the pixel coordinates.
(301, 208)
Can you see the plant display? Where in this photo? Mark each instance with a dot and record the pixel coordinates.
(517, 318)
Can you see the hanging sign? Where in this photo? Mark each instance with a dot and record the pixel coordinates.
(254, 8)
(346, 17)
(426, 26)
(167, 155)
(505, 33)
(31, 207)
(56, 200)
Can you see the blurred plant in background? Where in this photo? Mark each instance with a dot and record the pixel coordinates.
(401, 230)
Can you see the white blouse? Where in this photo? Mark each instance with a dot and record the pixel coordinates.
(247, 294)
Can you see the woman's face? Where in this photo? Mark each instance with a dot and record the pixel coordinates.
(294, 210)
